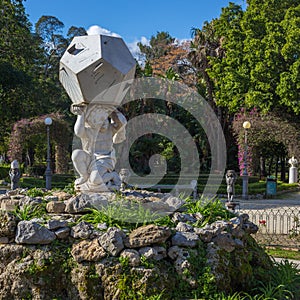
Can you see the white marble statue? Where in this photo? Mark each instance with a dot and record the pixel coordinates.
(293, 162)
(98, 127)
(293, 171)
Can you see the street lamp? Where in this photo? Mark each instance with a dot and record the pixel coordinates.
(48, 173)
(246, 126)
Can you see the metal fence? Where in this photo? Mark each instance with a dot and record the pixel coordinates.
(279, 225)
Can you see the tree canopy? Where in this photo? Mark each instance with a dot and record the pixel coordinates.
(261, 65)
(242, 59)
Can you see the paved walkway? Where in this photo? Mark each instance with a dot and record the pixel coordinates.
(283, 200)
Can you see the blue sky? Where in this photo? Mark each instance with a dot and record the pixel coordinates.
(133, 20)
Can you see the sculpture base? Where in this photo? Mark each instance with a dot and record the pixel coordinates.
(232, 205)
(293, 175)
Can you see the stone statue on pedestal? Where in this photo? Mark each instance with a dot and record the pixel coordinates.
(14, 174)
(230, 181)
(293, 171)
(96, 71)
(98, 128)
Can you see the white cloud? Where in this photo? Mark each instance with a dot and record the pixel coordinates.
(95, 29)
(135, 50)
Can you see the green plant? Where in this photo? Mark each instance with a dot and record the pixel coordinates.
(35, 192)
(28, 212)
(70, 188)
(287, 275)
(124, 261)
(156, 297)
(123, 214)
(271, 292)
(211, 210)
(147, 263)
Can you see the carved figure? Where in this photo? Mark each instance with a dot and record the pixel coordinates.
(293, 162)
(124, 175)
(99, 128)
(230, 181)
(14, 174)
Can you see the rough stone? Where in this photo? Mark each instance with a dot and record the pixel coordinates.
(147, 235)
(174, 202)
(61, 195)
(62, 233)
(88, 251)
(184, 227)
(51, 198)
(77, 204)
(133, 256)
(148, 252)
(56, 207)
(31, 201)
(182, 217)
(112, 240)
(102, 226)
(9, 205)
(225, 241)
(8, 225)
(4, 240)
(100, 200)
(185, 239)
(55, 224)
(33, 233)
(82, 230)
(161, 252)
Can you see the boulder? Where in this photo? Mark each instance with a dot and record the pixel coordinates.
(62, 233)
(33, 233)
(77, 204)
(88, 251)
(185, 239)
(147, 235)
(133, 256)
(55, 224)
(82, 230)
(8, 225)
(112, 241)
(55, 207)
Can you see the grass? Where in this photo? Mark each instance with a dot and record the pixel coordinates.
(282, 253)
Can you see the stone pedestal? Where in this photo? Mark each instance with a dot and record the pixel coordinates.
(293, 175)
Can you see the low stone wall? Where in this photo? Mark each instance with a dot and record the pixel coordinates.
(58, 257)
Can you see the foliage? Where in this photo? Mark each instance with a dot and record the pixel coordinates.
(28, 212)
(211, 210)
(70, 188)
(36, 192)
(124, 214)
(25, 129)
(271, 137)
(260, 68)
(19, 57)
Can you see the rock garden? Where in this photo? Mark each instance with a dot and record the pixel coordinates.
(119, 246)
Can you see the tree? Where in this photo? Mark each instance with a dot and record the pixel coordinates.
(49, 29)
(24, 131)
(75, 31)
(260, 68)
(19, 58)
(271, 138)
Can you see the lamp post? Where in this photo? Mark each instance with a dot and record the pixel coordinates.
(245, 176)
(48, 173)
